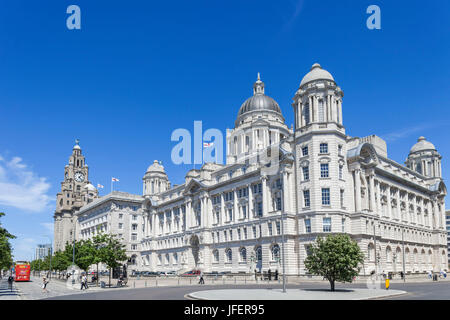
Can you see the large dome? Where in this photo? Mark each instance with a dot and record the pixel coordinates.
(422, 145)
(259, 101)
(156, 167)
(316, 73)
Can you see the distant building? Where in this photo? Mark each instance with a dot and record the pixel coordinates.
(447, 225)
(42, 250)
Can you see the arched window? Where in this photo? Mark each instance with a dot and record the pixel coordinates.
(258, 252)
(276, 252)
(371, 252)
(243, 255)
(216, 256)
(388, 254)
(228, 255)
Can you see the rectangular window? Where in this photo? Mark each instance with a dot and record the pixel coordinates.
(326, 224)
(343, 225)
(269, 225)
(259, 209)
(134, 227)
(244, 212)
(239, 233)
(324, 170)
(230, 214)
(306, 198)
(231, 235)
(342, 198)
(278, 224)
(321, 111)
(340, 150)
(305, 151)
(308, 225)
(254, 231)
(326, 196)
(134, 217)
(278, 203)
(305, 173)
(225, 235)
(324, 148)
(245, 233)
(120, 215)
(341, 172)
(120, 225)
(306, 113)
(133, 237)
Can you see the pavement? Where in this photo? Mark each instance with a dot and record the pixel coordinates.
(5, 291)
(294, 294)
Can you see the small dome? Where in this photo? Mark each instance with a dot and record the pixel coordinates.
(316, 73)
(422, 145)
(156, 167)
(259, 101)
(90, 187)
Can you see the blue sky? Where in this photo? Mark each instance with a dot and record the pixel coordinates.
(137, 70)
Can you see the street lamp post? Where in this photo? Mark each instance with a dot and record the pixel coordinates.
(282, 238)
(50, 276)
(403, 260)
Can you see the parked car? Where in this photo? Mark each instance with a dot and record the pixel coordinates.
(191, 273)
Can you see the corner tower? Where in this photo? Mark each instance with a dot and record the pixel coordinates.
(76, 191)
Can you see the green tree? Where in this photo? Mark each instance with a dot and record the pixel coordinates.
(6, 257)
(84, 253)
(336, 258)
(110, 251)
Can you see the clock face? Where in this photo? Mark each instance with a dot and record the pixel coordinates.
(79, 176)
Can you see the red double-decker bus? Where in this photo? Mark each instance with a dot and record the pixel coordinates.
(22, 269)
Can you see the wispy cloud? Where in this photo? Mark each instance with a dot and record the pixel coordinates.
(407, 132)
(49, 226)
(298, 5)
(21, 188)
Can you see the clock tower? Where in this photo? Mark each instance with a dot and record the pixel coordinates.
(76, 191)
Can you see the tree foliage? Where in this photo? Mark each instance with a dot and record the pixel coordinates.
(336, 258)
(6, 257)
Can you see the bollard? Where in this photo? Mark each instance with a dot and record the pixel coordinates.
(190, 280)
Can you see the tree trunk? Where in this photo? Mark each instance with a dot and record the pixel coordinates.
(332, 284)
(110, 271)
(97, 275)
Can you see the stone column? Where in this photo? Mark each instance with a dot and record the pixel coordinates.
(372, 192)
(222, 210)
(389, 205)
(341, 121)
(357, 180)
(235, 205)
(188, 214)
(286, 206)
(250, 202)
(379, 198)
(265, 196)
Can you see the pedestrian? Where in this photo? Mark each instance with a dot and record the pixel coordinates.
(10, 282)
(276, 274)
(83, 282)
(270, 274)
(44, 284)
(201, 281)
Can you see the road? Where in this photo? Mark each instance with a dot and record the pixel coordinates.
(421, 291)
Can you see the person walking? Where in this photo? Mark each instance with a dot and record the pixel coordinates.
(10, 282)
(201, 281)
(44, 284)
(83, 282)
(269, 274)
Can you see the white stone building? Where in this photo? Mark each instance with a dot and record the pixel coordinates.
(227, 218)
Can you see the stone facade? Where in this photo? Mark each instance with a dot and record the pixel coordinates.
(303, 182)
